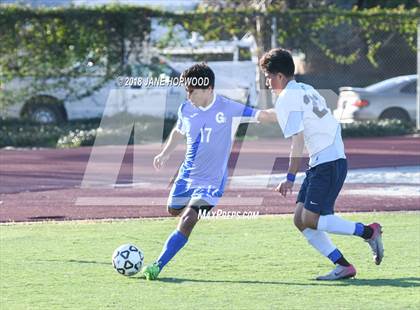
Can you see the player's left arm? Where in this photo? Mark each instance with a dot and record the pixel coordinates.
(259, 116)
(296, 154)
(249, 114)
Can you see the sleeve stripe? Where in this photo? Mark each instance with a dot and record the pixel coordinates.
(248, 111)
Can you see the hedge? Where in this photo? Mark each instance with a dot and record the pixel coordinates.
(76, 134)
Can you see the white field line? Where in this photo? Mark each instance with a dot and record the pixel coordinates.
(158, 201)
(389, 175)
(392, 182)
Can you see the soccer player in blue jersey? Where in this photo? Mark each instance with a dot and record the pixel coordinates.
(208, 123)
(303, 115)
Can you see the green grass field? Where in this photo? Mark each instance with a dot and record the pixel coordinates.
(259, 263)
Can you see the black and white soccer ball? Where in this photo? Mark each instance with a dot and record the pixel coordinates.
(127, 259)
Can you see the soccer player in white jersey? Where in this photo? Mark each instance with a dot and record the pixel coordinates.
(303, 115)
(208, 122)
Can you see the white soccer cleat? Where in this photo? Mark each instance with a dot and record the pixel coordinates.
(339, 273)
(375, 243)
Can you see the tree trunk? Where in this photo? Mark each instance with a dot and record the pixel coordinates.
(263, 37)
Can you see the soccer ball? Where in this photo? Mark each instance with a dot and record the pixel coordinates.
(127, 259)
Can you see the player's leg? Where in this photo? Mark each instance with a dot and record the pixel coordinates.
(179, 237)
(177, 240)
(318, 212)
(297, 219)
(174, 212)
(174, 243)
(337, 225)
(371, 233)
(179, 198)
(319, 239)
(323, 244)
(323, 190)
(190, 217)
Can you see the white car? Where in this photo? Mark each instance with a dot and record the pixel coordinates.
(60, 104)
(114, 96)
(393, 98)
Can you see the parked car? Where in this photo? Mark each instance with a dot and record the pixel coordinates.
(56, 105)
(394, 98)
(59, 104)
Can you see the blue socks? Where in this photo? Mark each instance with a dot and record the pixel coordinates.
(173, 244)
(335, 255)
(360, 228)
(337, 258)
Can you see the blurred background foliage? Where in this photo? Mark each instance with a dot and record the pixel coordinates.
(344, 42)
(69, 42)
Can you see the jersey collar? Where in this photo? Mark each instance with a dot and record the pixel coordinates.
(292, 83)
(210, 105)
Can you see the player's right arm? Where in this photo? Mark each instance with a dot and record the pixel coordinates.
(296, 154)
(174, 139)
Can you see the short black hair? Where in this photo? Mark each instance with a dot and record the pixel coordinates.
(278, 60)
(198, 76)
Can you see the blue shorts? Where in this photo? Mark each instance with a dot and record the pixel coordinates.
(181, 195)
(322, 185)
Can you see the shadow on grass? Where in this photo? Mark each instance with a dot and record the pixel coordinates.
(73, 261)
(397, 282)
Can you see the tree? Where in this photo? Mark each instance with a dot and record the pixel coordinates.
(261, 28)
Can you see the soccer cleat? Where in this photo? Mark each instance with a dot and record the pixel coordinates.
(151, 271)
(339, 273)
(375, 243)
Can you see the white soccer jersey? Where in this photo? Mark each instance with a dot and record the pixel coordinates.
(300, 107)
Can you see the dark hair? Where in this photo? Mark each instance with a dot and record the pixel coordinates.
(196, 73)
(278, 60)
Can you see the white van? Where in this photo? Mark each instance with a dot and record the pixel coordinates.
(122, 94)
(60, 104)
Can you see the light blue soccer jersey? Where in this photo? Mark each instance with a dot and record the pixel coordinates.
(209, 136)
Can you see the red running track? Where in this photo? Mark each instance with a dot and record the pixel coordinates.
(47, 183)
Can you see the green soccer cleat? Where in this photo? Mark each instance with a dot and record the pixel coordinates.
(151, 271)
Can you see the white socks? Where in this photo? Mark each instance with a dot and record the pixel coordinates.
(319, 240)
(336, 225)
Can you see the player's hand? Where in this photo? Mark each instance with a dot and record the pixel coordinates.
(284, 187)
(160, 160)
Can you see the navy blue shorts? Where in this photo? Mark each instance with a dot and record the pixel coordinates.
(321, 186)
